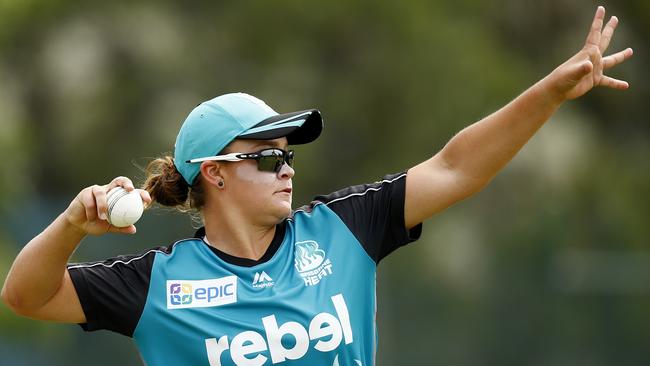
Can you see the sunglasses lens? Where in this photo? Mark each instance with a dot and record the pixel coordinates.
(289, 158)
(268, 163)
(272, 160)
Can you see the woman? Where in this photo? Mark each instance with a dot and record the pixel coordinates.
(261, 284)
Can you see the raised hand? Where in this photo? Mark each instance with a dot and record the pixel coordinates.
(88, 211)
(584, 70)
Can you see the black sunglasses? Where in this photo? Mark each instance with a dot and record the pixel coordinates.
(268, 160)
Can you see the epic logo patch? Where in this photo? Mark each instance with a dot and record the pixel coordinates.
(201, 293)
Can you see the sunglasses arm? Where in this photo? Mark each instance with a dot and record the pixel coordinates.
(227, 157)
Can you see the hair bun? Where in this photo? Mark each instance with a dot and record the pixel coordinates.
(165, 184)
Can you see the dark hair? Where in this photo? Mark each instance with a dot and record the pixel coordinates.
(168, 188)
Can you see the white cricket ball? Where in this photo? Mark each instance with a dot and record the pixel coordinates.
(124, 208)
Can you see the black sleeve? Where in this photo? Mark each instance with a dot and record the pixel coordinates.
(113, 292)
(375, 214)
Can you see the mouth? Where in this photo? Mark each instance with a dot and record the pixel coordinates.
(286, 190)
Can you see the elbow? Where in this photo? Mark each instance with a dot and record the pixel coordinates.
(477, 184)
(6, 298)
(471, 169)
(10, 299)
(468, 185)
(13, 301)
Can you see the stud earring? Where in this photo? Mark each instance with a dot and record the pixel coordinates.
(220, 184)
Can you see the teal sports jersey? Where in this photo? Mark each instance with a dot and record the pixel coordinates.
(310, 300)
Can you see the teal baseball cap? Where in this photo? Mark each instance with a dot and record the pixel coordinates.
(213, 124)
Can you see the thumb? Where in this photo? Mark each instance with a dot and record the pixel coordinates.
(122, 230)
(577, 71)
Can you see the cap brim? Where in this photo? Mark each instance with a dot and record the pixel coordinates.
(299, 127)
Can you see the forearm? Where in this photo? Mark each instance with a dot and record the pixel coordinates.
(38, 270)
(478, 152)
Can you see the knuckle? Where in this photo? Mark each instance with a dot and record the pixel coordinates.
(122, 178)
(122, 181)
(98, 190)
(100, 203)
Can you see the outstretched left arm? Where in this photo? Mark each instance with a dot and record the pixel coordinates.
(477, 153)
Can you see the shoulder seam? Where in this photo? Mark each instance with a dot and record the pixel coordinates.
(375, 189)
(129, 261)
(316, 203)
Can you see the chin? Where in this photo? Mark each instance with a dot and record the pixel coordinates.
(286, 211)
(283, 205)
(279, 210)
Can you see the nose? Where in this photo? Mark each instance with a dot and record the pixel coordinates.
(286, 172)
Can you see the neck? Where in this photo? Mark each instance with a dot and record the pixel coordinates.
(236, 236)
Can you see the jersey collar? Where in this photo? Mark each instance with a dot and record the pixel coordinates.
(280, 230)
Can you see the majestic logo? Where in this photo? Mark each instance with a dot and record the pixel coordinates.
(250, 348)
(202, 293)
(311, 263)
(262, 280)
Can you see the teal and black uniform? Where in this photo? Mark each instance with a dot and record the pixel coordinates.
(310, 300)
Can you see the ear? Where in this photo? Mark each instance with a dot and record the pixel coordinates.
(212, 172)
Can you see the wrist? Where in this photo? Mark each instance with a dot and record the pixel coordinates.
(68, 228)
(548, 91)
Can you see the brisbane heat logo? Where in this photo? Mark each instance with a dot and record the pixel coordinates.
(202, 293)
(311, 263)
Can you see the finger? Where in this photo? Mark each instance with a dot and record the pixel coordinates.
(593, 38)
(87, 199)
(613, 83)
(123, 182)
(123, 230)
(606, 36)
(617, 58)
(99, 194)
(146, 198)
